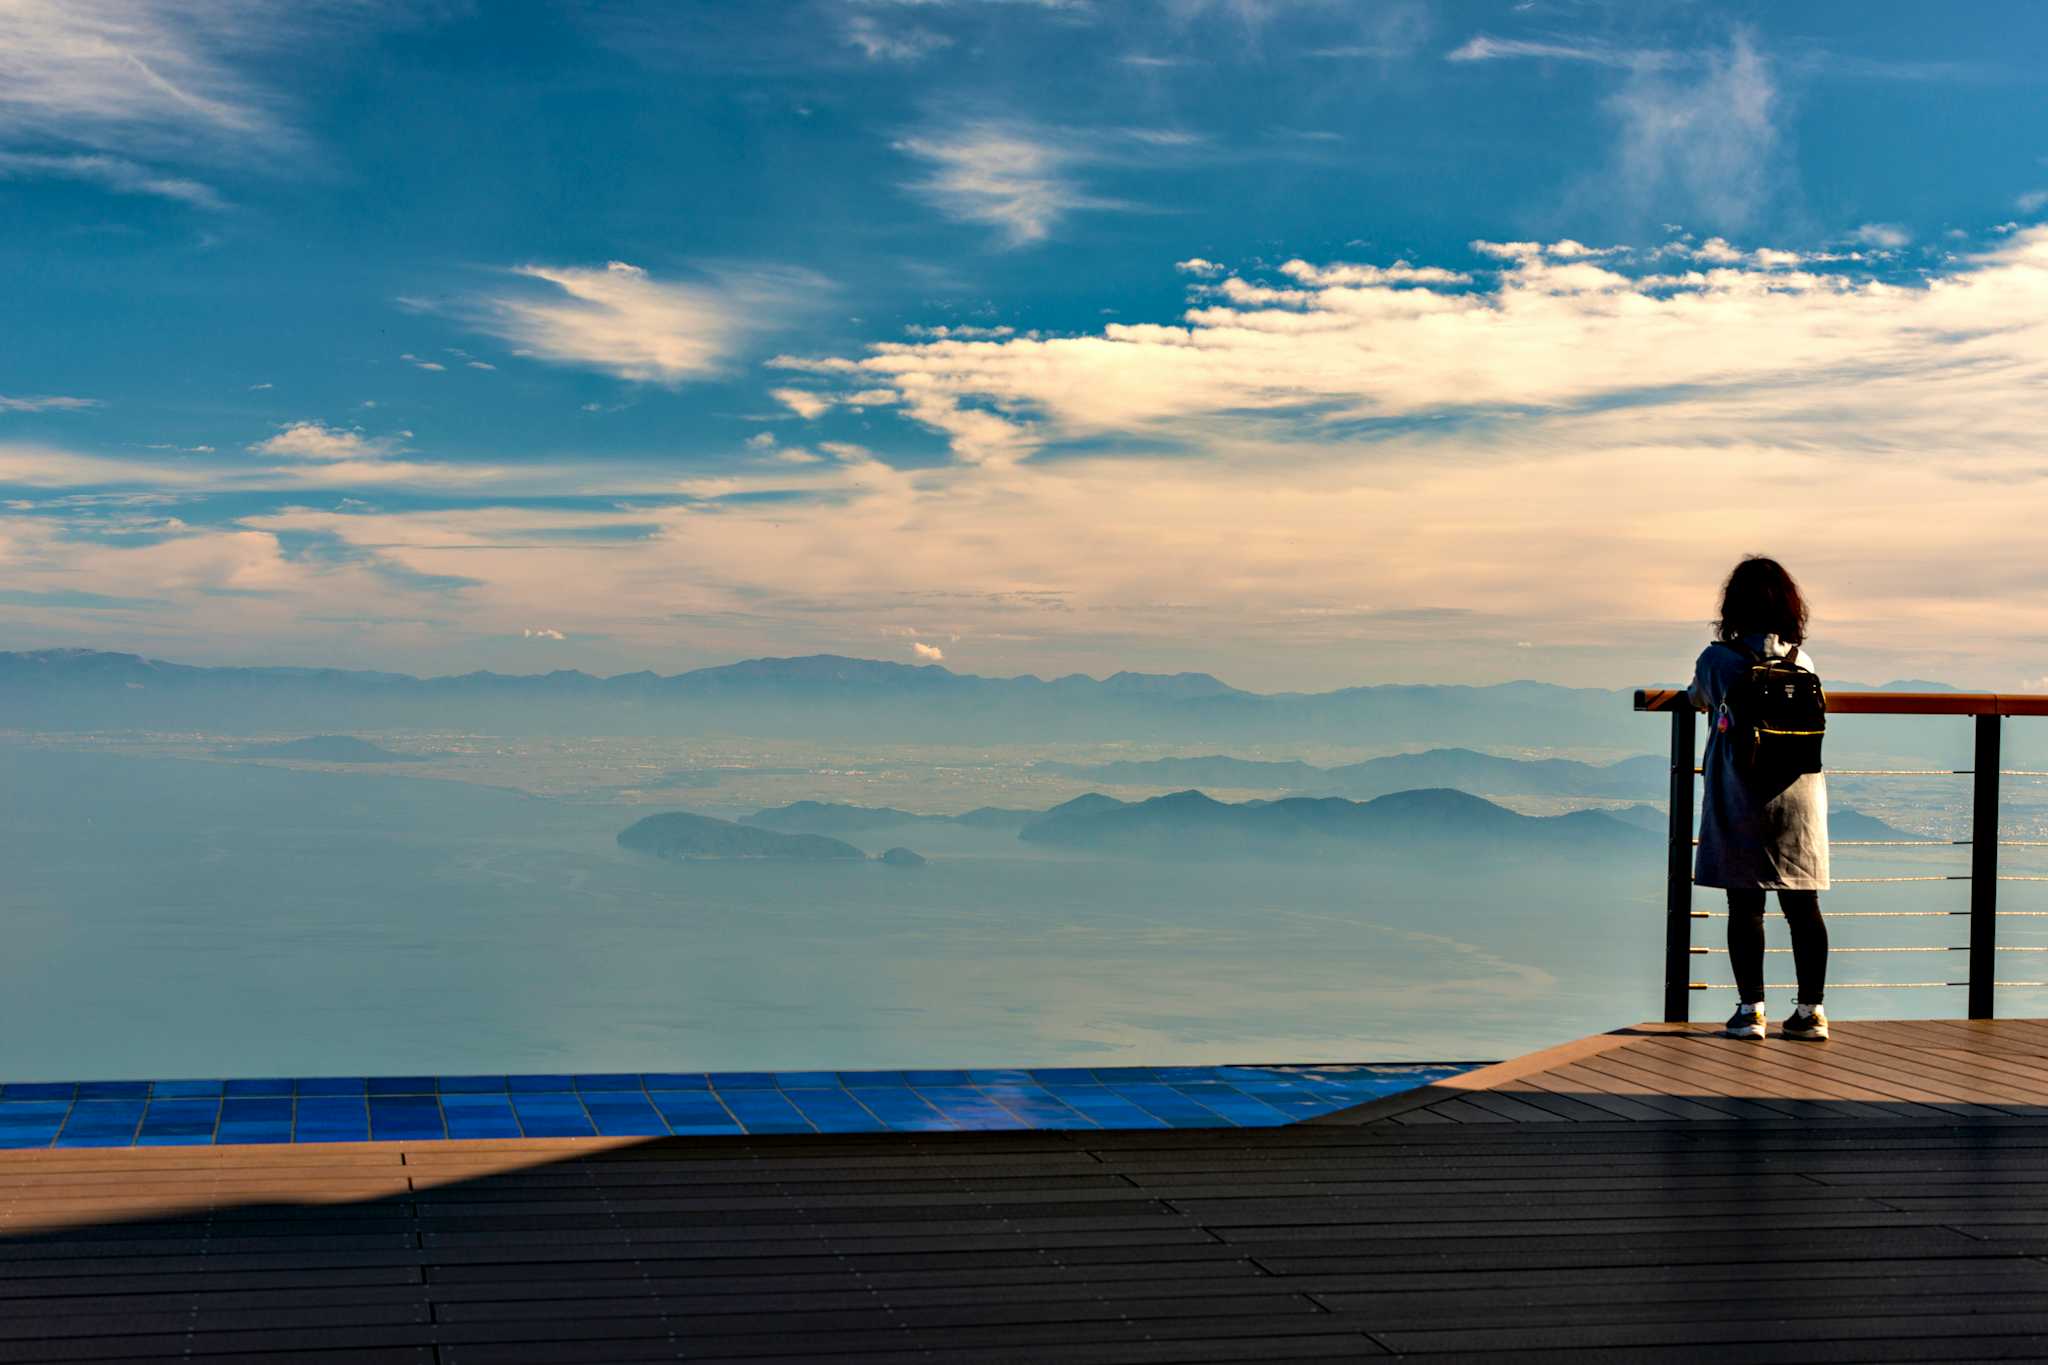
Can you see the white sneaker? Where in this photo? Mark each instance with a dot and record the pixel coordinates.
(1746, 1022)
(1808, 1023)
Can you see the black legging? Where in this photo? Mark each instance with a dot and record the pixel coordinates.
(1809, 942)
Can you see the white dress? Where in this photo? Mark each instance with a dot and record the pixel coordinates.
(1775, 837)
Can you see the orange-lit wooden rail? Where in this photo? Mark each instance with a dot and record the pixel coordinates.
(1649, 1196)
(1886, 703)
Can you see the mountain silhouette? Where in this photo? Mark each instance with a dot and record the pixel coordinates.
(1191, 824)
(814, 696)
(1465, 769)
(325, 749)
(682, 837)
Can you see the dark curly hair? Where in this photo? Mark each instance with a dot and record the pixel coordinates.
(1760, 598)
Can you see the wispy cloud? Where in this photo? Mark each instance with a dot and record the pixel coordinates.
(1704, 143)
(1019, 180)
(1484, 48)
(114, 73)
(623, 321)
(45, 403)
(880, 42)
(802, 402)
(1885, 236)
(109, 172)
(960, 331)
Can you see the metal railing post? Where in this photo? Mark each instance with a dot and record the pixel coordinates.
(1984, 869)
(1678, 872)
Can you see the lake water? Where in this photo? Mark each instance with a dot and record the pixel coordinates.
(167, 917)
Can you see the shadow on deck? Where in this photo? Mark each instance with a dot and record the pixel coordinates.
(1649, 1195)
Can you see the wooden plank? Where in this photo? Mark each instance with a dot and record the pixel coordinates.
(1799, 1068)
(1620, 1107)
(1562, 1106)
(2027, 1070)
(1698, 1089)
(1695, 1074)
(1710, 1329)
(1573, 1080)
(1459, 1110)
(1878, 1074)
(1509, 1107)
(1482, 1078)
(1319, 1341)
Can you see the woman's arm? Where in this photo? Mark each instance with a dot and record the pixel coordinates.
(1702, 697)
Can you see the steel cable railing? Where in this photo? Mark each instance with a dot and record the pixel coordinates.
(1988, 711)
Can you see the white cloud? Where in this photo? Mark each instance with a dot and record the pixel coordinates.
(479, 365)
(1509, 251)
(1487, 49)
(258, 388)
(1018, 180)
(45, 403)
(541, 633)
(414, 360)
(2033, 201)
(802, 402)
(960, 332)
(1507, 448)
(1400, 272)
(1361, 342)
(117, 73)
(762, 440)
(1572, 250)
(879, 43)
(624, 322)
(318, 441)
(1198, 267)
(931, 654)
(1888, 236)
(1707, 143)
(110, 172)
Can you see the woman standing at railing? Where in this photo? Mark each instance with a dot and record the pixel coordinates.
(1762, 833)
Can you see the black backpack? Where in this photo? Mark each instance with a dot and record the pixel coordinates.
(1774, 717)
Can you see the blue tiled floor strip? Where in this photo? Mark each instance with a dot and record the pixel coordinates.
(383, 1108)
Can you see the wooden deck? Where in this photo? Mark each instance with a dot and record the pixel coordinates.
(1646, 1196)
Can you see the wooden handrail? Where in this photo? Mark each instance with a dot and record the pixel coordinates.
(1886, 703)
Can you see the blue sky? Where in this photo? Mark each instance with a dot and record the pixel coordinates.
(1305, 343)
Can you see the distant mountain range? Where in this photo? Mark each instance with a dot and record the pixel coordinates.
(682, 837)
(1190, 824)
(818, 696)
(1464, 769)
(812, 697)
(325, 749)
(834, 817)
